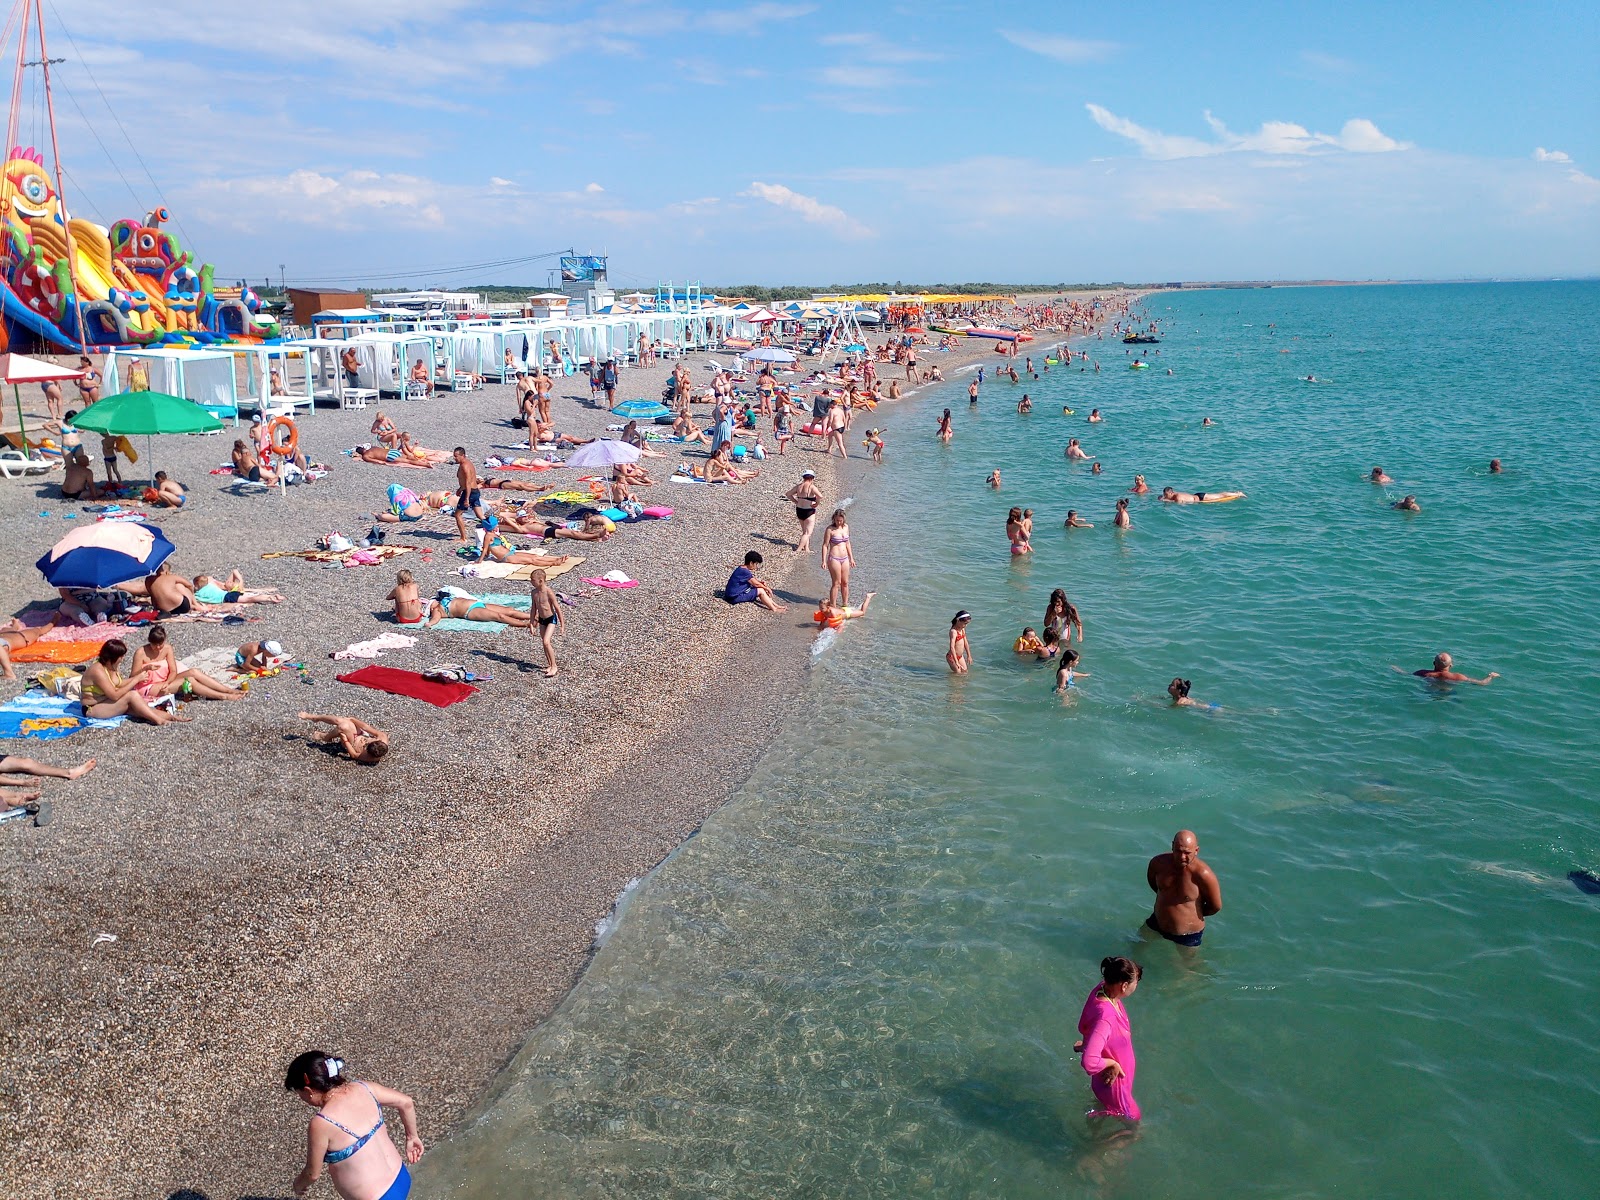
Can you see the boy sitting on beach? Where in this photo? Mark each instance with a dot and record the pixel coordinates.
(744, 588)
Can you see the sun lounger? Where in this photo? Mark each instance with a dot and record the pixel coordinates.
(15, 464)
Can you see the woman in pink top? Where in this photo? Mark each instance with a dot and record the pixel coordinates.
(1107, 1044)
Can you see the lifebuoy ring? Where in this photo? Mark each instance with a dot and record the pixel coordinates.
(287, 447)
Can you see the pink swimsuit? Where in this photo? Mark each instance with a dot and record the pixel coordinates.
(1107, 1036)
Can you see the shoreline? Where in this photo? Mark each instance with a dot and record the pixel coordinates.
(417, 917)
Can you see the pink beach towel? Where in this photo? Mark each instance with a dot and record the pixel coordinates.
(608, 583)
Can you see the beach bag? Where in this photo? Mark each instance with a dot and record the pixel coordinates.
(61, 681)
(335, 542)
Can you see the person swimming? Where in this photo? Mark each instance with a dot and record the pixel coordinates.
(1379, 476)
(1408, 504)
(1067, 673)
(1173, 496)
(1444, 671)
(1178, 689)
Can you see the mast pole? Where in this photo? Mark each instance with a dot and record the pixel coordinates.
(61, 196)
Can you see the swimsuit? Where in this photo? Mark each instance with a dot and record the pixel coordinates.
(550, 620)
(90, 695)
(835, 540)
(1181, 939)
(182, 608)
(338, 1156)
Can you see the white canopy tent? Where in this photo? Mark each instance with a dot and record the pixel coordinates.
(385, 360)
(256, 364)
(204, 376)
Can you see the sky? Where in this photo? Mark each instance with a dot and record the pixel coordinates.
(444, 142)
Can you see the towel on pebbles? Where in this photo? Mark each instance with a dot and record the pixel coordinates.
(497, 570)
(373, 647)
(462, 625)
(47, 718)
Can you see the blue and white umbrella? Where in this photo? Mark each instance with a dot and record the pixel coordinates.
(105, 554)
(642, 410)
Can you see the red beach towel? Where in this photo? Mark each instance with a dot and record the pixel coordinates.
(409, 683)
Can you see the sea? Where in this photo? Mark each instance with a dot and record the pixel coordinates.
(862, 977)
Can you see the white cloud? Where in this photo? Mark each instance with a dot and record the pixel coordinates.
(752, 18)
(496, 181)
(872, 48)
(593, 189)
(1328, 64)
(1063, 49)
(808, 208)
(330, 201)
(1358, 136)
(1540, 154)
(859, 75)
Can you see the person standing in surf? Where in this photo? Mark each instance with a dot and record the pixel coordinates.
(363, 1165)
(1106, 1044)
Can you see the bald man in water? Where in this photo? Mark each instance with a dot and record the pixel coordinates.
(1187, 891)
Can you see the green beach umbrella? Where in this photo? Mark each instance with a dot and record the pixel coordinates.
(147, 413)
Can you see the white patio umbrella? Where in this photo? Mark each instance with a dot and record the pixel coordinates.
(768, 354)
(604, 452)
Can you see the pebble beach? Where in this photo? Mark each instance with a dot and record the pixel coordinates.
(217, 896)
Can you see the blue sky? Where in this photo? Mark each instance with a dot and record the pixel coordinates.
(791, 142)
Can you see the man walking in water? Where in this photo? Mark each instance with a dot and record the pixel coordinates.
(1187, 892)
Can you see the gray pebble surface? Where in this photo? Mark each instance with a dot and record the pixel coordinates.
(420, 916)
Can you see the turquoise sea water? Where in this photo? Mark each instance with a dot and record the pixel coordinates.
(862, 977)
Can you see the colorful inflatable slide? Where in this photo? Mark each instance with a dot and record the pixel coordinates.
(73, 283)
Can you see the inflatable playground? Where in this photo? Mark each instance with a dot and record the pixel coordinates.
(69, 284)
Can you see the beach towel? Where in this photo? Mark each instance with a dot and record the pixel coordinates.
(462, 625)
(409, 683)
(44, 651)
(216, 661)
(517, 570)
(611, 583)
(35, 715)
(373, 647)
(331, 556)
(569, 497)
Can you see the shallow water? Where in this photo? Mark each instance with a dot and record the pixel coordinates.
(862, 977)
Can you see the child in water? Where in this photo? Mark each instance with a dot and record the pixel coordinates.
(1067, 670)
(959, 655)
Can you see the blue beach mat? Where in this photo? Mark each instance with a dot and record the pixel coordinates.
(462, 625)
(33, 706)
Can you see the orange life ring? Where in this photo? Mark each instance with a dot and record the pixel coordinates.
(287, 447)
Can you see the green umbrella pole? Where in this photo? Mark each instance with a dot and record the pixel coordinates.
(22, 425)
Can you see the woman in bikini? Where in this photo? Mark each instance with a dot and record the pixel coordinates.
(15, 636)
(363, 1165)
(945, 432)
(385, 431)
(492, 544)
(453, 602)
(107, 694)
(159, 666)
(805, 496)
(407, 599)
(838, 558)
(1015, 533)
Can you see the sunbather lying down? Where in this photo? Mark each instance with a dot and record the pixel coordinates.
(593, 528)
(406, 505)
(210, 590)
(453, 602)
(492, 544)
(406, 453)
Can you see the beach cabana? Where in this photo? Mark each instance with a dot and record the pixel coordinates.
(385, 360)
(255, 365)
(204, 376)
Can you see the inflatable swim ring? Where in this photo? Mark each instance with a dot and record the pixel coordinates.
(285, 447)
